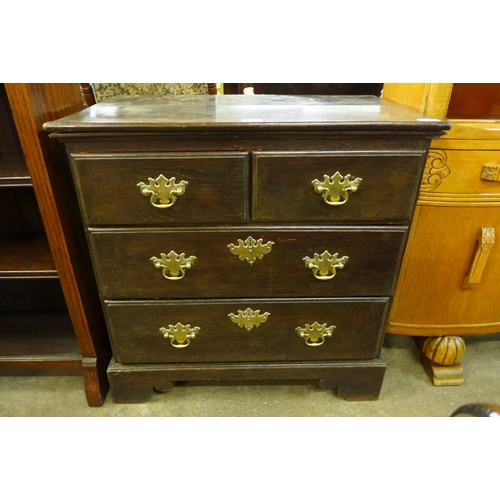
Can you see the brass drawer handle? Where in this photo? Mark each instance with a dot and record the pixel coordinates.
(314, 335)
(324, 266)
(491, 172)
(180, 335)
(485, 242)
(173, 266)
(248, 318)
(163, 192)
(335, 189)
(250, 249)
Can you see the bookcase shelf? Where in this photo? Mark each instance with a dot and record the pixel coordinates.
(38, 340)
(50, 315)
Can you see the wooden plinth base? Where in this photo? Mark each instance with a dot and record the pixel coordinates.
(355, 381)
(443, 375)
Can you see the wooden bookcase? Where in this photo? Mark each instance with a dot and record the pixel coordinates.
(50, 315)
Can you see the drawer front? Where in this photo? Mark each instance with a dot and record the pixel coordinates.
(329, 187)
(247, 262)
(462, 172)
(210, 331)
(126, 189)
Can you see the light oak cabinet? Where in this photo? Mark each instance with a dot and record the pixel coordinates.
(449, 284)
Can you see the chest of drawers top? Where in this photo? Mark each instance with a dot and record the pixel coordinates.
(243, 113)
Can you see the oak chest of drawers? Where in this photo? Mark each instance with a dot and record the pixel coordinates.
(246, 237)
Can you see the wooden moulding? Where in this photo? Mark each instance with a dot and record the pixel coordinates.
(13, 171)
(355, 381)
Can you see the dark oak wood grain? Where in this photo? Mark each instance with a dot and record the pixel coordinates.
(283, 188)
(250, 162)
(353, 380)
(110, 192)
(123, 262)
(238, 112)
(135, 330)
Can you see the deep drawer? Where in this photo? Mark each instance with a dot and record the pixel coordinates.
(216, 189)
(125, 262)
(284, 186)
(338, 329)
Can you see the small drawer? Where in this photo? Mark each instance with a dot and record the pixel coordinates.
(328, 187)
(462, 173)
(247, 262)
(123, 189)
(258, 330)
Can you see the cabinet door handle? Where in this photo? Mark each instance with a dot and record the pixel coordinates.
(162, 192)
(335, 189)
(485, 242)
(491, 172)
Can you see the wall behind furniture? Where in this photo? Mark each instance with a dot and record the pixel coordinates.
(103, 91)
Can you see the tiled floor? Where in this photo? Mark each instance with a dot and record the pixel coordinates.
(406, 392)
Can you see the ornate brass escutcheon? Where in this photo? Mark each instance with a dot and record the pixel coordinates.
(325, 266)
(250, 249)
(314, 335)
(173, 266)
(335, 189)
(180, 335)
(163, 192)
(248, 318)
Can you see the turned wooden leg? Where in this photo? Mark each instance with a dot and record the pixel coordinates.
(440, 357)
